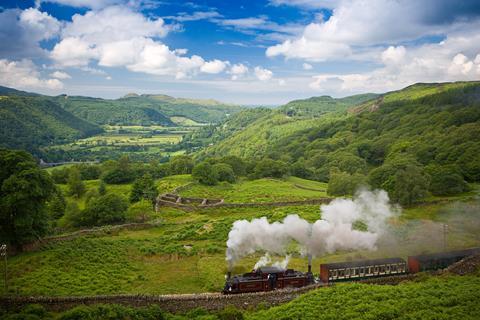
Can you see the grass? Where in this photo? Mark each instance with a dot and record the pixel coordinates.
(261, 190)
(186, 253)
(447, 297)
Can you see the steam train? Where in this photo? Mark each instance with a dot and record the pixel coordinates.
(272, 278)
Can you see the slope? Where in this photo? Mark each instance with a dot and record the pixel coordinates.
(30, 121)
(426, 123)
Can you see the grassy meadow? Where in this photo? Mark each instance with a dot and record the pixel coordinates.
(186, 252)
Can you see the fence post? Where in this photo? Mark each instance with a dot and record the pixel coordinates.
(3, 253)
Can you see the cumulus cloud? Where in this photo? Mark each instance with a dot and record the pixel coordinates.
(22, 31)
(60, 75)
(307, 66)
(117, 36)
(238, 70)
(263, 74)
(214, 66)
(24, 75)
(454, 59)
(355, 26)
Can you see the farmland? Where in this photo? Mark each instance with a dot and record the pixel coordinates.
(140, 142)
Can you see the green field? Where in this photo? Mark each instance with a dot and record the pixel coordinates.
(261, 190)
(185, 254)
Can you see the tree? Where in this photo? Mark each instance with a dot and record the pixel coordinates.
(140, 211)
(237, 164)
(60, 176)
(57, 204)
(407, 186)
(102, 188)
(270, 168)
(181, 165)
(445, 180)
(205, 173)
(75, 185)
(73, 215)
(342, 183)
(110, 208)
(144, 188)
(224, 172)
(24, 192)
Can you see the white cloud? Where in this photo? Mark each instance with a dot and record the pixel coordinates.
(214, 66)
(263, 74)
(73, 52)
(119, 37)
(357, 26)
(60, 75)
(22, 31)
(238, 70)
(24, 75)
(114, 24)
(42, 25)
(454, 59)
(307, 66)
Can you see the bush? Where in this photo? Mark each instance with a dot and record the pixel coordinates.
(224, 172)
(270, 168)
(140, 211)
(205, 173)
(144, 188)
(118, 176)
(107, 209)
(230, 313)
(342, 183)
(445, 180)
(181, 165)
(76, 187)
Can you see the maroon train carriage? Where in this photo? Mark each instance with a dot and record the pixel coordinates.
(267, 279)
(362, 269)
(441, 260)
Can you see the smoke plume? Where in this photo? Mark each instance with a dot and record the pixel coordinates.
(334, 231)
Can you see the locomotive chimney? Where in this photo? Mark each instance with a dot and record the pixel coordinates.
(309, 263)
(229, 274)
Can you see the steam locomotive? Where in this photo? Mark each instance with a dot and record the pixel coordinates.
(272, 278)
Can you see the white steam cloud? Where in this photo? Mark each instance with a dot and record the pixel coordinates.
(334, 231)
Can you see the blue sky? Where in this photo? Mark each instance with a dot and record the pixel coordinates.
(245, 52)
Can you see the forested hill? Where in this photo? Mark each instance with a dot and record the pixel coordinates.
(29, 121)
(254, 129)
(421, 125)
(146, 109)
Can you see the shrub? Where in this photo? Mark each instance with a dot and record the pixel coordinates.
(107, 209)
(224, 172)
(205, 173)
(270, 168)
(140, 211)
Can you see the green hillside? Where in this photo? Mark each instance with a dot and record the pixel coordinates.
(294, 116)
(31, 121)
(424, 124)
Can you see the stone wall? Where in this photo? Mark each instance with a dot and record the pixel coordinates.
(33, 246)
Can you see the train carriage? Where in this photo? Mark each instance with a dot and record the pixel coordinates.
(362, 269)
(441, 260)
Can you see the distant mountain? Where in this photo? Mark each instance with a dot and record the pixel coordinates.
(30, 121)
(316, 106)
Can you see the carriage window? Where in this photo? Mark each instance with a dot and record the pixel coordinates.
(382, 269)
(375, 269)
(347, 272)
(394, 268)
(341, 273)
(387, 268)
